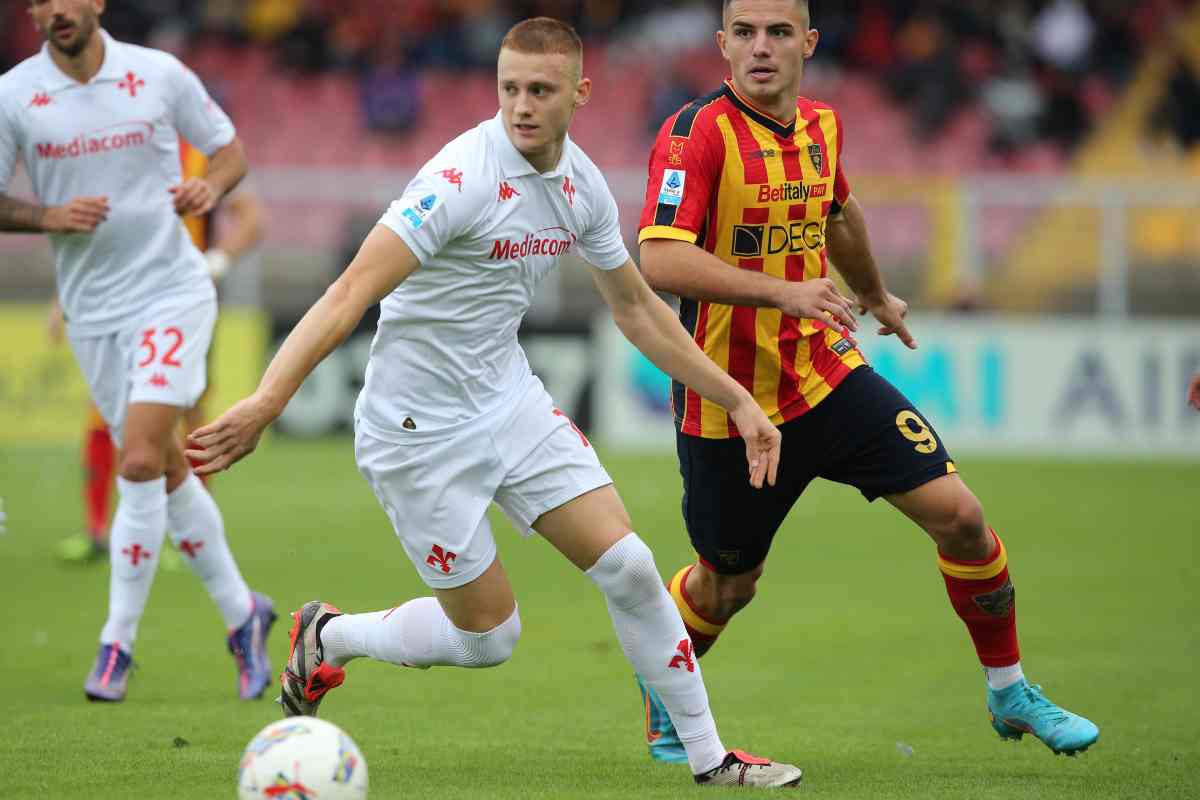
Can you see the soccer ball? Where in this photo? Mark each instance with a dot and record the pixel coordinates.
(302, 758)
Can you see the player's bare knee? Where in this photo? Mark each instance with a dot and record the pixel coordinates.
(729, 594)
(963, 532)
(142, 462)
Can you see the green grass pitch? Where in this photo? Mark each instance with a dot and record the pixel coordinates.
(850, 662)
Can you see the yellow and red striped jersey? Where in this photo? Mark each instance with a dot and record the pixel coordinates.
(757, 193)
(195, 165)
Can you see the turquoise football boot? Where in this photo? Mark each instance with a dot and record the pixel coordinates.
(661, 737)
(1022, 708)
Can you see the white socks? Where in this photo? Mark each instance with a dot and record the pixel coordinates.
(655, 642)
(417, 634)
(198, 533)
(1002, 677)
(134, 548)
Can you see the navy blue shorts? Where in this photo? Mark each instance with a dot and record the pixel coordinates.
(865, 434)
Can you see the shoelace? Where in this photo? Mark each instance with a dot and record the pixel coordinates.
(1043, 708)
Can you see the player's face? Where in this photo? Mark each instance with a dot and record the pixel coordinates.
(766, 43)
(68, 25)
(538, 97)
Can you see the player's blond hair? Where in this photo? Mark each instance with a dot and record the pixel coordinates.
(542, 36)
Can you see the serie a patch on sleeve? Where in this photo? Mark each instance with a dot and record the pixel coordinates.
(671, 193)
(419, 211)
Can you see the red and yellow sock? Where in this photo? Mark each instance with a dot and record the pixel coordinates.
(99, 469)
(703, 631)
(983, 596)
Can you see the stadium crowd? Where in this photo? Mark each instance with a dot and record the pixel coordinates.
(1039, 70)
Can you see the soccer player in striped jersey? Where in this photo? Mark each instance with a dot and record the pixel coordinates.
(748, 199)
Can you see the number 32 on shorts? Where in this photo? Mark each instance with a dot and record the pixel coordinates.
(171, 338)
(917, 430)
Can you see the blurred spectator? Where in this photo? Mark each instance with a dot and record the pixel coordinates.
(390, 88)
(925, 76)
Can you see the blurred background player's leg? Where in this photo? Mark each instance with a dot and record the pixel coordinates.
(99, 456)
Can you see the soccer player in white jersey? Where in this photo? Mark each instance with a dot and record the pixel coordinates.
(451, 419)
(97, 124)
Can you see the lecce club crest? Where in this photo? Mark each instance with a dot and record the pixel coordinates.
(817, 154)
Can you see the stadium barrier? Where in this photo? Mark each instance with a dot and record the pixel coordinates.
(996, 385)
(43, 396)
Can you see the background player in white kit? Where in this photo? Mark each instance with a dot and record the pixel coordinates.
(451, 418)
(97, 124)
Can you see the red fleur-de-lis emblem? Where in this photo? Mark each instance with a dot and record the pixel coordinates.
(136, 553)
(441, 559)
(189, 547)
(131, 84)
(683, 656)
(569, 190)
(40, 100)
(507, 192)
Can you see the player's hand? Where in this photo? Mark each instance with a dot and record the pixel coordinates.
(194, 197)
(230, 437)
(80, 215)
(819, 299)
(1194, 391)
(890, 311)
(763, 441)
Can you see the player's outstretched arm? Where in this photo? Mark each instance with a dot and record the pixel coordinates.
(382, 264)
(683, 269)
(850, 251)
(651, 326)
(1194, 391)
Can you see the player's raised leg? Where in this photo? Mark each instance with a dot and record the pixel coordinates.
(974, 566)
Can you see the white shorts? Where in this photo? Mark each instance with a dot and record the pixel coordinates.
(159, 358)
(436, 486)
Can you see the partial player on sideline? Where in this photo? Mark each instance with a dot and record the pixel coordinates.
(451, 418)
(97, 123)
(747, 197)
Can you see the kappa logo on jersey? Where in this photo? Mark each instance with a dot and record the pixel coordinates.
(122, 136)
(569, 190)
(671, 193)
(40, 100)
(418, 212)
(131, 84)
(158, 381)
(790, 191)
(441, 559)
(683, 656)
(453, 176)
(547, 242)
(507, 192)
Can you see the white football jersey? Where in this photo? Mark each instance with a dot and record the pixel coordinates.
(115, 136)
(486, 227)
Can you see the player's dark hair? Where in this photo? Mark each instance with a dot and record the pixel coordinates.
(802, 3)
(543, 35)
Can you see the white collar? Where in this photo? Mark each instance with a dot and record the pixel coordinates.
(512, 162)
(113, 68)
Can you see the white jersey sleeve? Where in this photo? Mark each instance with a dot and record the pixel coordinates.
(441, 204)
(194, 114)
(9, 145)
(601, 244)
